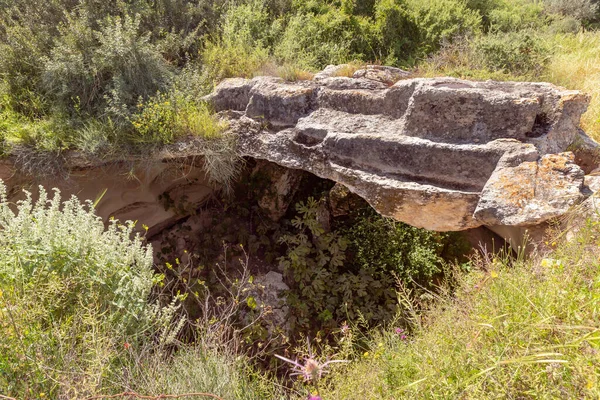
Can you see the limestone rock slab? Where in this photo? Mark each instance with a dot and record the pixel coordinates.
(439, 153)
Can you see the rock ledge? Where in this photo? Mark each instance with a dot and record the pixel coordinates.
(440, 153)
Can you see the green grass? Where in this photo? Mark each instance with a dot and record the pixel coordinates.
(193, 369)
(530, 330)
(576, 65)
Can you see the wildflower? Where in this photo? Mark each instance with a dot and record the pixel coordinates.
(311, 397)
(493, 274)
(400, 332)
(344, 328)
(126, 345)
(311, 370)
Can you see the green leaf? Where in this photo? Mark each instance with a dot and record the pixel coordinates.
(251, 302)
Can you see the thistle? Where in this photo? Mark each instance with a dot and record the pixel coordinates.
(309, 368)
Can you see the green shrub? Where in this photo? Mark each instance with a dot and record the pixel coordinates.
(226, 60)
(513, 16)
(242, 47)
(248, 24)
(509, 15)
(397, 32)
(72, 293)
(581, 10)
(442, 20)
(131, 65)
(359, 7)
(395, 249)
(312, 41)
(565, 24)
(353, 272)
(517, 53)
(20, 68)
(105, 71)
(484, 7)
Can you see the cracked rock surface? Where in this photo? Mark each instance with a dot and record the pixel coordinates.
(438, 153)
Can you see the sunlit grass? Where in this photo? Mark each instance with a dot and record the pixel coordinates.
(576, 65)
(530, 330)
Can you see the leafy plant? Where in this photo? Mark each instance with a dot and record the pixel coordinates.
(440, 20)
(312, 264)
(353, 271)
(71, 299)
(513, 53)
(391, 248)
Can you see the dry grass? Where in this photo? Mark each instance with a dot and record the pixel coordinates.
(349, 69)
(576, 65)
(288, 72)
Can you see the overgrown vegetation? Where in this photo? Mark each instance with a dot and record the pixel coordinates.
(83, 311)
(79, 316)
(513, 329)
(83, 75)
(352, 272)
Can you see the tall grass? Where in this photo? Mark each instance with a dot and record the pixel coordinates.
(576, 65)
(193, 369)
(522, 330)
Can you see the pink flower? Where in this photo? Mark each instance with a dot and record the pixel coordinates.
(400, 332)
(344, 328)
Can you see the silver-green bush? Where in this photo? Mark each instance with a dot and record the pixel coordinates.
(73, 297)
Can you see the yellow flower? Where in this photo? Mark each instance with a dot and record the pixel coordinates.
(494, 274)
(551, 263)
(590, 384)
